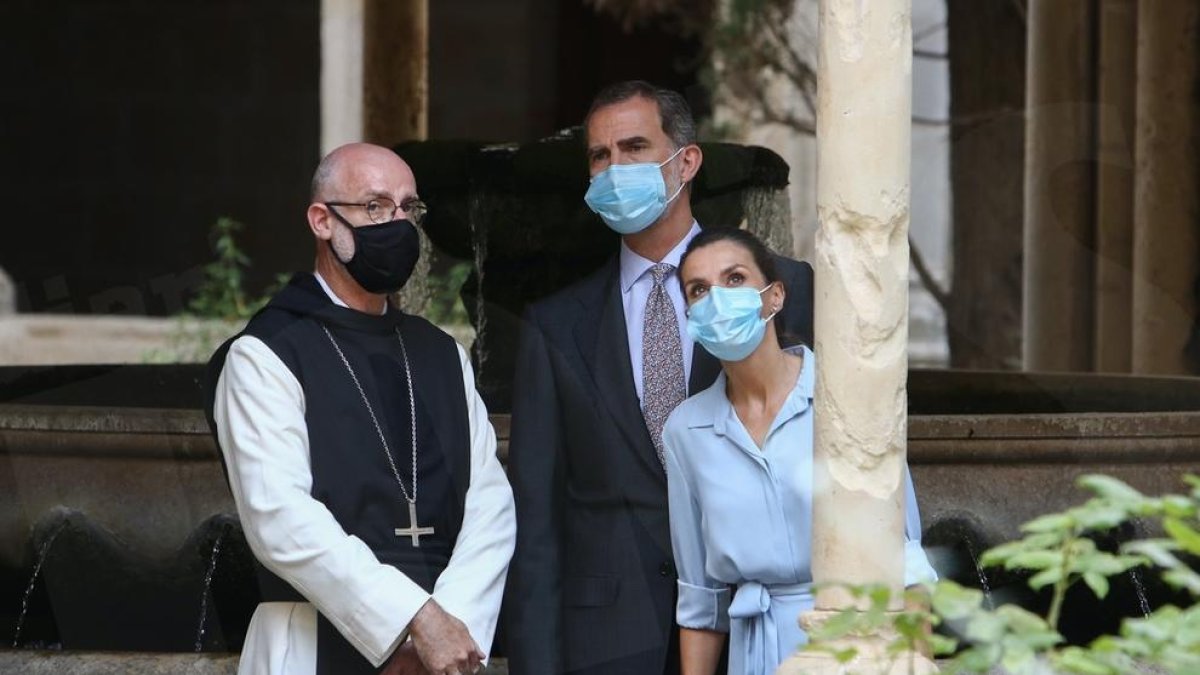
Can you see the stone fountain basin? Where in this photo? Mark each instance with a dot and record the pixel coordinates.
(126, 451)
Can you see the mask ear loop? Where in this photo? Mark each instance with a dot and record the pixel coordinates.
(681, 183)
(777, 309)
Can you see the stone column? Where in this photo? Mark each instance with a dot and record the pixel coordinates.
(341, 73)
(1167, 185)
(1117, 68)
(8, 294)
(1059, 195)
(861, 322)
(396, 102)
(374, 71)
(396, 71)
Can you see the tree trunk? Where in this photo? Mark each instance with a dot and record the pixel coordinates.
(987, 157)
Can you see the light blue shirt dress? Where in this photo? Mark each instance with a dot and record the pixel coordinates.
(741, 523)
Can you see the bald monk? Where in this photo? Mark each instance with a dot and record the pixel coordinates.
(359, 454)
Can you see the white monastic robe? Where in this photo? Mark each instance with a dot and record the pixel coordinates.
(259, 411)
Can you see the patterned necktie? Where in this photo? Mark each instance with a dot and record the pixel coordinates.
(663, 385)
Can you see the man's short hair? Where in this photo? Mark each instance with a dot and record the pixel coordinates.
(673, 110)
(322, 178)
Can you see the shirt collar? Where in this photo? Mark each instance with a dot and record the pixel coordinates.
(807, 381)
(333, 296)
(633, 266)
(714, 409)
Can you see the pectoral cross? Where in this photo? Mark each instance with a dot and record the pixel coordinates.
(413, 530)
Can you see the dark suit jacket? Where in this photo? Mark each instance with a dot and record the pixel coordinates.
(592, 582)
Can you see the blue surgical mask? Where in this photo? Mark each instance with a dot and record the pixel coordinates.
(629, 197)
(727, 322)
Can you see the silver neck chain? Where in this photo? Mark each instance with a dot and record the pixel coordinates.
(412, 410)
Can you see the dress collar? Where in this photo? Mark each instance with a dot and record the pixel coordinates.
(633, 266)
(713, 409)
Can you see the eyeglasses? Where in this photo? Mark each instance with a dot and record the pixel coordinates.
(382, 209)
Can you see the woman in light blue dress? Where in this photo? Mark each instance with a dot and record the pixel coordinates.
(739, 469)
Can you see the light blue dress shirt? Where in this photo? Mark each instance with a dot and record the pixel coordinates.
(741, 523)
(636, 284)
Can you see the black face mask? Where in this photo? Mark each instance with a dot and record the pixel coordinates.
(384, 254)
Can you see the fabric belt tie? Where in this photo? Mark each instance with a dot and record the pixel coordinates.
(751, 606)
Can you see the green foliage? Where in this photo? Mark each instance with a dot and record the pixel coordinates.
(221, 295)
(1008, 637)
(906, 629)
(445, 306)
(220, 306)
(1057, 553)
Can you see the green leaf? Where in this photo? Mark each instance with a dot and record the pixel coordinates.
(986, 627)
(1104, 643)
(1042, 540)
(1051, 522)
(1018, 660)
(839, 625)
(1104, 564)
(1024, 621)
(1108, 487)
(1081, 547)
(1178, 506)
(1097, 582)
(1158, 551)
(952, 601)
(1184, 579)
(880, 595)
(1099, 515)
(1077, 660)
(1182, 533)
(979, 659)
(845, 655)
(1003, 551)
(1045, 578)
(840, 655)
(1188, 633)
(941, 645)
(1034, 560)
(1038, 641)
(910, 625)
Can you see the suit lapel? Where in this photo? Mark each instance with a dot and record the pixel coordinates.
(604, 346)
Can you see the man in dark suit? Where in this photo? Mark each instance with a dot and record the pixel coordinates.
(601, 363)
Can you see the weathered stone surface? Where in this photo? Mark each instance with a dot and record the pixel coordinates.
(134, 663)
(1167, 189)
(34, 662)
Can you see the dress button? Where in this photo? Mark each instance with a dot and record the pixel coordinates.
(666, 569)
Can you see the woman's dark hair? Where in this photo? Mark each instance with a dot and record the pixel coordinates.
(763, 259)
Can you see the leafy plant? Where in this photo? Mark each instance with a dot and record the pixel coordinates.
(445, 305)
(1057, 552)
(221, 304)
(906, 630)
(1056, 549)
(221, 295)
